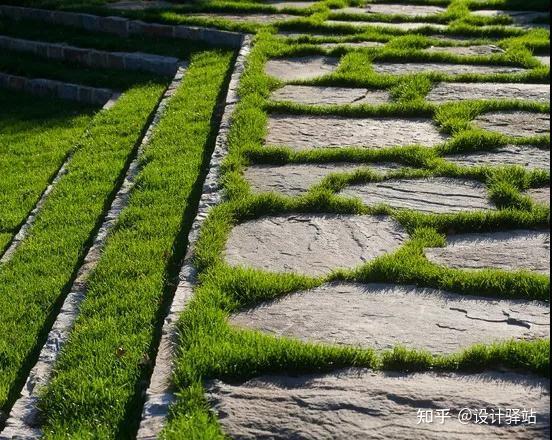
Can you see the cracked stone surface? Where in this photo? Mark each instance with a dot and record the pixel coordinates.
(295, 179)
(405, 26)
(446, 92)
(330, 95)
(301, 132)
(475, 50)
(523, 155)
(446, 68)
(540, 195)
(507, 250)
(382, 316)
(312, 244)
(436, 194)
(518, 17)
(515, 123)
(300, 68)
(396, 9)
(246, 18)
(347, 404)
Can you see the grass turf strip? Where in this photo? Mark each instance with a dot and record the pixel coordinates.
(36, 135)
(34, 281)
(95, 392)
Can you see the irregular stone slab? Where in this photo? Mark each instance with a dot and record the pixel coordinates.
(446, 68)
(522, 155)
(404, 26)
(540, 195)
(518, 17)
(353, 45)
(300, 68)
(545, 60)
(475, 50)
(396, 9)
(246, 18)
(382, 316)
(301, 132)
(295, 179)
(319, 95)
(348, 404)
(290, 5)
(435, 194)
(312, 244)
(139, 5)
(507, 250)
(515, 123)
(446, 92)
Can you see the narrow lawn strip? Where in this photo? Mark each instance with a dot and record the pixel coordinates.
(33, 283)
(36, 135)
(118, 323)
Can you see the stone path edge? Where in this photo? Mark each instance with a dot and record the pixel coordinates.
(159, 394)
(124, 27)
(23, 420)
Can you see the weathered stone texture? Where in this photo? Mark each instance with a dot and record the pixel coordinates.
(303, 132)
(300, 68)
(353, 44)
(515, 123)
(540, 195)
(437, 194)
(245, 18)
(507, 250)
(478, 50)
(316, 95)
(312, 244)
(444, 92)
(395, 9)
(382, 316)
(523, 155)
(444, 68)
(295, 179)
(348, 404)
(404, 26)
(278, 4)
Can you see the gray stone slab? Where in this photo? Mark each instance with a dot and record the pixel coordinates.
(319, 95)
(359, 403)
(290, 4)
(295, 179)
(312, 244)
(507, 250)
(245, 18)
(540, 195)
(518, 17)
(301, 68)
(515, 123)
(545, 60)
(139, 5)
(353, 44)
(522, 155)
(446, 92)
(474, 50)
(435, 194)
(382, 316)
(404, 26)
(444, 68)
(301, 132)
(395, 9)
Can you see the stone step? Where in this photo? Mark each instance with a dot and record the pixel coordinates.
(382, 316)
(405, 68)
(447, 92)
(433, 194)
(395, 9)
(507, 250)
(348, 404)
(312, 244)
(320, 95)
(301, 132)
(403, 26)
(300, 68)
(515, 123)
(522, 155)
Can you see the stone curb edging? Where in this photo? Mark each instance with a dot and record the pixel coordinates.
(93, 58)
(59, 89)
(159, 394)
(23, 421)
(124, 27)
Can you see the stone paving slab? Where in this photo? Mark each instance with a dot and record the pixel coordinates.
(306, 131)
(395, 9)
(522, 155)
(545, 60)
(447, 92)
(405, 26)
(245, 18)
(382, 316)
(278, 4)
(353, 44)
(507, 250)
(444, 68)
(301, 68)
(348, 404)
(312, 244)
(474, 50)
(295, 179)
(515, 123)
(518, 17)
(435, 194)
(540, 195)
(319, 95)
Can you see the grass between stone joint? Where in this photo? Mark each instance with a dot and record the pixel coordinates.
(115, 333)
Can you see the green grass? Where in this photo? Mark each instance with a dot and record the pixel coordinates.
(119, 320)
(36, 135)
